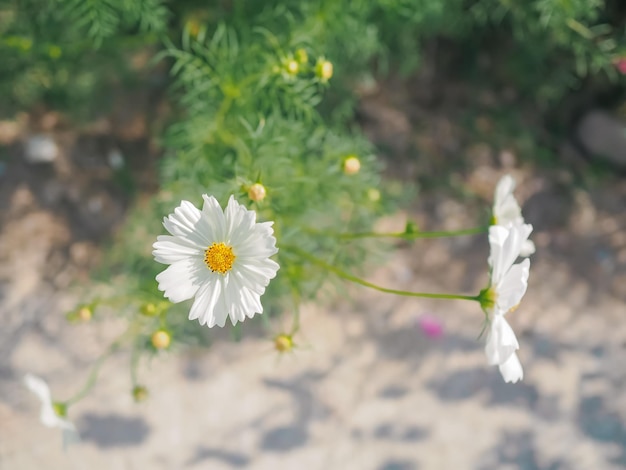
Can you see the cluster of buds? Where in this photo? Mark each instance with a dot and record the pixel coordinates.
(298, 62)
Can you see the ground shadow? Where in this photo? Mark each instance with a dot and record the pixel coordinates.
(113, 430)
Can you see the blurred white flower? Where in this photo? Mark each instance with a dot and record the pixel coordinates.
(506, 210)
(52, 414)
(507, 287)
(220, 257)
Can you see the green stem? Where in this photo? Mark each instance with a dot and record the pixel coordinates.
(95, 370)
(403, 235)
(93, 377)
(363, 282)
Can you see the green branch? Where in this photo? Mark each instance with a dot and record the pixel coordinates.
(363, 282)
(405, 235)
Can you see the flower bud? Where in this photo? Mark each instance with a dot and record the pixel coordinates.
(85, 314)
(148, 309)
(161, 339)
(324, 69)
(351, 165)
(373, 194)
(54, 52)
(140, 393)
(283, 343)
(82, 314)
(257, 192)
(193, 27)
(293, 67)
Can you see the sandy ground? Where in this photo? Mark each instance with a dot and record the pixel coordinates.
(365, 389)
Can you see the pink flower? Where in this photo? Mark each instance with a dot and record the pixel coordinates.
(430, 325)
(620, 65)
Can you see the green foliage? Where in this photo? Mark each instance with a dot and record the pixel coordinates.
(61, 52)
(555, 43)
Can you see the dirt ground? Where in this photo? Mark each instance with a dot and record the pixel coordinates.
(366, 389)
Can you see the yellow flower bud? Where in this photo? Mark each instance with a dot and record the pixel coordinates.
(140, 393)
(84, 314)
(257, 192)
(148, 309)
(161, 339)
(324, 69)
(193, 27)
(293, 67)
(351, 165)
(283, 343)
(54, 52)
(373, 194)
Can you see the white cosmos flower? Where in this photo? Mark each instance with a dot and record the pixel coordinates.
(220, 257)
(507, 287)
(506, 210)
(49, 416)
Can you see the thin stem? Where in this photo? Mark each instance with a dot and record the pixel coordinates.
(403, 235)
(93, 376)
(95, 370)
(363, 282)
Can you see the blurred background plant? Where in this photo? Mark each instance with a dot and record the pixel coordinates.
(265, 95)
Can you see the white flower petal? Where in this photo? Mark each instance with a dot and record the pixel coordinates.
(242, 302)
(239, 221)
(501, 342)
(505, 246)
(205, 301)
(39, 387)
(504, 188)
(214, 216)
(182, 279)
(169, 249)
(47, 415)
(528, 248)
(512, 287)
(511, 369)
(183, 220)
(506, 209)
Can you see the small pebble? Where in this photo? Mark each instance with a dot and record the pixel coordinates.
(40, 149)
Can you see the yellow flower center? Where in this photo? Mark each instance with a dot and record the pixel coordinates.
(219, 257)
